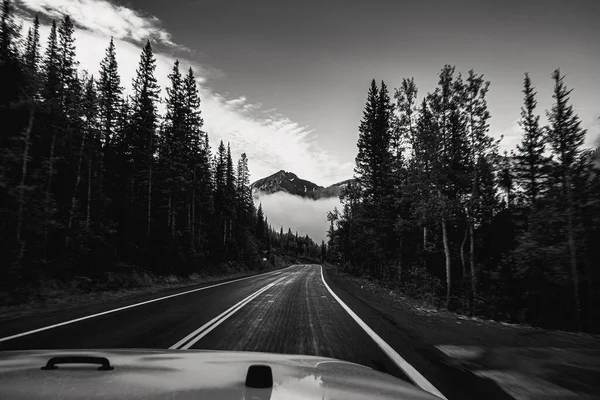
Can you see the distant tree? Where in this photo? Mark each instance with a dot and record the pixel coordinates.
(229, 194)
(260, 223)
(142, 131)
(110, 98)
(481, 150)
(530, 157)
(32, 50)
(565, 136)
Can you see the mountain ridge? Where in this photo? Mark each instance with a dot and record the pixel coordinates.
(289, 182)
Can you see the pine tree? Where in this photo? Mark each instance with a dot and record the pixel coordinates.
(51, 93)
(259, 231)
(230, 194)
(31, 90)
(174, 154)
(32, 50)
(109, 96)
(530, 152)
(143, 132)
(565, 136)
(481, 149)
(445, 106)
(366, 163)
(374, 173)
(244, 192)
(69, 87)
(220, 191)
(405, 131)
(9, 33)
(199, 152)
(51, 67)
(88, 134)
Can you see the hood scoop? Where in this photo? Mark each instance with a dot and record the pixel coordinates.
(259, 377)
(102, 361)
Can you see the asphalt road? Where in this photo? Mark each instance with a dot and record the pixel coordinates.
(287, 311)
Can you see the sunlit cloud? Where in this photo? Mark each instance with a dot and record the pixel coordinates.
(271, 141)
(104, 18)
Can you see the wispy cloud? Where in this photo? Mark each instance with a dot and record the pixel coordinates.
(271, 141)
(105, 18)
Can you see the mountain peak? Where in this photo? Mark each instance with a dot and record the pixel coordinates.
(288, 182)
(284, 181)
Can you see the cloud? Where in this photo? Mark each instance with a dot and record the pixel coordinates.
(105, 18)
(271, 141)
(308, 217)
(236, 102)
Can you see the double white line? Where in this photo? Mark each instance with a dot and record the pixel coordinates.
(205, 329)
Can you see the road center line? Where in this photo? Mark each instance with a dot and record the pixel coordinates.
(72, 321)
(205, 329)
(410, 371)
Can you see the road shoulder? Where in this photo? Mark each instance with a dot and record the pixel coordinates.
(488, 359)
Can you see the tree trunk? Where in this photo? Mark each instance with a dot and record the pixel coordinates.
(149, 216)
(472, 263)
(424, 238)
(193, 217)
(199, 235)
(74, 195)
(572, 252)
(89, 196)
(448, 262)
(27, 135)
(189, 232)
(48, 187)
(169, 216)
(462, 252)
(400, 261)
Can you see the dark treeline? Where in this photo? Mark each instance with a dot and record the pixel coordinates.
(437, 211)
(92, 179)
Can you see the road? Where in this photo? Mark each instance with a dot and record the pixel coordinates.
(289, 311)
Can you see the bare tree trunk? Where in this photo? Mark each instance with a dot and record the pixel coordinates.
(572, 252)
(199, 236)
(27, 134)
(189, 232)
(193, 206)
(224, 227)
(149, 216)
(74, 195)
(89, 196)
(448, 261)
(400, 261)
(462, 252)
(169, 215)
(424, 238)
(472, 263)
(48, 187)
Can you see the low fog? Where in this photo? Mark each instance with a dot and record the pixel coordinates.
(308, 217)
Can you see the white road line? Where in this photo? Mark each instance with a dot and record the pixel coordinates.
(72, 321)
(408, 369)
(205, 329)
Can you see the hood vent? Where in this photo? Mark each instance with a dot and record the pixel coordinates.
(259, 377)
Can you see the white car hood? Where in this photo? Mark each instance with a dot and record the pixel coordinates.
(189, 374)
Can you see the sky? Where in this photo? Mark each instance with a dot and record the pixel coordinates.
(286, 82)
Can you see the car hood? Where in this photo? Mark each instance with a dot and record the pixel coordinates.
(197, 374)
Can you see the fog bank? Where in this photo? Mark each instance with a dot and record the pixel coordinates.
(308, 217)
